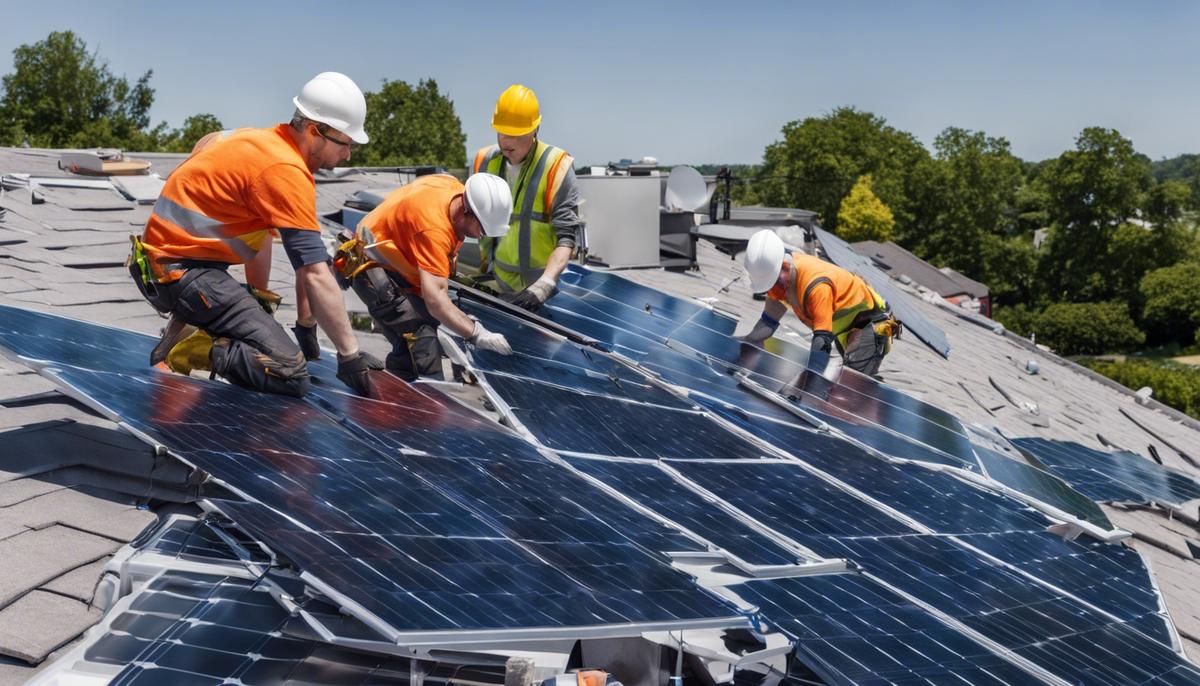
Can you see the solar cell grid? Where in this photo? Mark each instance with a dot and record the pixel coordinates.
(1111, 476)
(1042, 485)
(851, 630)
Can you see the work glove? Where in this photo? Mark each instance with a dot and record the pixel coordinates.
(306, 337)
(352, 371)
(535, 294)
(486, 340)
(820, 352)
(762, 331)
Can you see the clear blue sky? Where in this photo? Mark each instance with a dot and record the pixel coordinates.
(686, 82)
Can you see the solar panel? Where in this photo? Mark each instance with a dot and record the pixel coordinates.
(653, 488)
(1041, 485)
(190, 627)
(841, 254)
(358, 518)
(850, 630)
(1111, 476)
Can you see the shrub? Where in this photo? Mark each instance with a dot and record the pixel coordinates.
(1174, 384)
(1088, 328)
(863, 216)
(1172, 308)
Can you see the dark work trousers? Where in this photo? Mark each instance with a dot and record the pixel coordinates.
(250, 348)
(866, 349)
(398, 311)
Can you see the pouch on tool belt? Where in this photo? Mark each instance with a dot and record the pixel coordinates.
(138, 264)
(349, 259)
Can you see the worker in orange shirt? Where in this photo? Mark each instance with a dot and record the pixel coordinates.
(403, 255)
(840, 308)
(218, 209)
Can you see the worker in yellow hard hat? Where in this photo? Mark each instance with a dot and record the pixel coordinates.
(528, 260)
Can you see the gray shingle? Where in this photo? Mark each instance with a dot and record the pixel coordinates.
(33, 558)
(34, 626)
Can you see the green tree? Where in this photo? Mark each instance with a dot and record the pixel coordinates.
(1090, 192)
(1171, 309)
(819, 159)
(977, 179)
(412, 126)
(194, 128)
(862, 216)
(1088, 328)
(62, 95)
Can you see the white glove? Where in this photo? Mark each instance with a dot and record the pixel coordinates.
(487, 340)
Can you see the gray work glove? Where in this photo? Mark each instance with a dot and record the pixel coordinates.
(820, 352)
(486, 340)
(535, 294)
(306, 337)
(762, 331)
(352, 370)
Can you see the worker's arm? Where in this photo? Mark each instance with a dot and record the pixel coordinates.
(258, 270)
(819, 305)
(564, 217)
(435, 291)
(764, 328)
(307, 254)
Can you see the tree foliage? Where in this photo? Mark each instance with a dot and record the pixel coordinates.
(1088, 328)
(62, 95)
(1090, 191)
(412, 126)
(1171, 298)
(862, 216)
(194, 128)
(819, 159)
(1174, 384)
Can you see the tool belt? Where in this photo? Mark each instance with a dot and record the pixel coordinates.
(883, 322)
(350, 260)
(138, 264)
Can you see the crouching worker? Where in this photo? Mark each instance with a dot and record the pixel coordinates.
(403, 255)
(218, 209)
(840, 308)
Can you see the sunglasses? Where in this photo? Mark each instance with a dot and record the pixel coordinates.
(324, 129)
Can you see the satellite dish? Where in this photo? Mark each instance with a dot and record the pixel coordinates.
(686, 190)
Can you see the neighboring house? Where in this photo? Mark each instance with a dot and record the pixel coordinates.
(946, 282)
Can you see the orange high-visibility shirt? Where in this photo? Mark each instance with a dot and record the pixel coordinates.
(411, 232)
(222, 202)
(824, 294)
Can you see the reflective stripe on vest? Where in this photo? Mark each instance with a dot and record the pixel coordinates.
(519, 258)
(200, 226)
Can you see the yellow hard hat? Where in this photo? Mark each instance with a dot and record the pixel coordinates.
(517, 112)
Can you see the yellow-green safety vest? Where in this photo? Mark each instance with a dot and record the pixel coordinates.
(519, 257)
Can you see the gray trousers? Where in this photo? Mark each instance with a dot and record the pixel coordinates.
(398, 311)
(866, 349)
(250, 348)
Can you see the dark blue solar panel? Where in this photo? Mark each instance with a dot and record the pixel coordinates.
(567, 420)
(902, 304)
(200, 628)
(1042, 485)
(850, 630)
(1115, 476)
(1001, 605)
(651, 487)
(388, 535)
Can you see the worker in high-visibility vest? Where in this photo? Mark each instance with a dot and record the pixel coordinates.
(528, 260)
(840, 308)
(218, 209)
(402, 258)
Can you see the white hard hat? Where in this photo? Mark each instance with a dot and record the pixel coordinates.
(491, 201)
(764, 259)
(332, 98)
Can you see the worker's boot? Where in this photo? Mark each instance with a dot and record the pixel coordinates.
(175, 331)
(193, 352)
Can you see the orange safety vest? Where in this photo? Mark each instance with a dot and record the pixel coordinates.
(221, 204)
(411, 232)
(826, 297)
